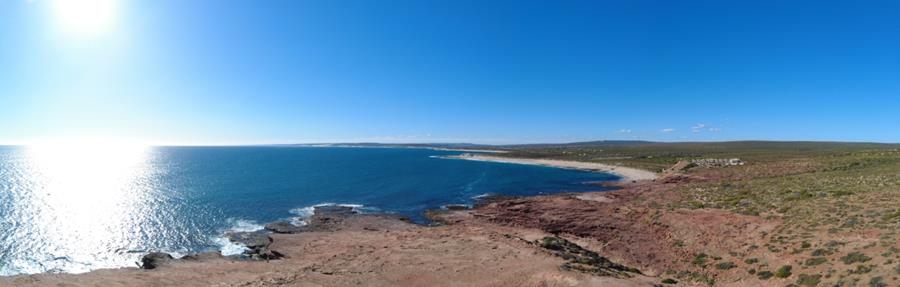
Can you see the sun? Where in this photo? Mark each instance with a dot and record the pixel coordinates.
(86, 17)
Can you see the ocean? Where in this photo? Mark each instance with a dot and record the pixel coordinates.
(75, 209)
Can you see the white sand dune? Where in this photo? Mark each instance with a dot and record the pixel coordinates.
(627, 173)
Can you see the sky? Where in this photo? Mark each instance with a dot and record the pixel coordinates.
(296, 71)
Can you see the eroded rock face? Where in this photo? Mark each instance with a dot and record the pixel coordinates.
(328, 218)
(324, 218)
(252, 240)
(155, 259)
(333, 210)
(583, 260)
(203, 256)
(285, 227)
(258, 244)
(456, 207)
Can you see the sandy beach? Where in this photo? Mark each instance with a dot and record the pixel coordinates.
(627, 174)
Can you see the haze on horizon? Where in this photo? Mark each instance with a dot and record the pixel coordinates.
(211, 72)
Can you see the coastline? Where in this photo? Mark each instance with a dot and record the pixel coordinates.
(460, 149)
(229, 248)
(542, 240)
(623, 237)
(276, 245)
(468, 150)
(627, 174)
(341, 247)
(674, 231)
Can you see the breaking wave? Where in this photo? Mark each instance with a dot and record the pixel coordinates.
(229, 248)
(304, 213)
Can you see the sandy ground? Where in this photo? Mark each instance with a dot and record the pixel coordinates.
(627, 174)
(366, 251)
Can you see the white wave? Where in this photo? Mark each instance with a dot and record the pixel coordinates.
(177, 254)
(243, 225)
(303, 213)
(483, 195)
(228, 248)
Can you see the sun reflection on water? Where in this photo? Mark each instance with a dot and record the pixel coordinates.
(83, 175)
(85, 203)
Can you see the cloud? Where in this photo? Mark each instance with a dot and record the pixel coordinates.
(624, 131)
(698, 128)
(669, 130)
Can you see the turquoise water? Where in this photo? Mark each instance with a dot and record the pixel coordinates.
(77, 209)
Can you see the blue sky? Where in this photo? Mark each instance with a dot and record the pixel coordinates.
(238, 72)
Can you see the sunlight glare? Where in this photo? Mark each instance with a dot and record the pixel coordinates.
(85, 196)
(86, 16)
(87, 168)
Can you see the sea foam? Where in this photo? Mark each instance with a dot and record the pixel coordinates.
(304, 213)
(243, 225)
(229, 248)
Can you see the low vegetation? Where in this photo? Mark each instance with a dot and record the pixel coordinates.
(583, 260)
(836, 203)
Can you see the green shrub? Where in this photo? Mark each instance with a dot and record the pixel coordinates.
(815, 261)
(809, 280)
(822, 252)
(725, 265)
(784, 271)
(700, 259)
(855, 257)
(764, 275)
(861, 269)
(877, 282)
(696, 277)
(751, 260)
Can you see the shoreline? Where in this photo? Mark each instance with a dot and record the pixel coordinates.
(627, 174)
(257, 243)
(666, 232)
(406, 147)
(341, 247)
(223, 253)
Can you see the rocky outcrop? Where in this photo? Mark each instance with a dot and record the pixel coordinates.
(328, 217)
(324, 218)
(251, 240)
(257, 244)
(285, 227)
(454, 207)
(333, 210)
(583, 260)
(155, 259)
(203, 256)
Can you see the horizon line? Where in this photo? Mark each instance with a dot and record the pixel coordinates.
(349, 143)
